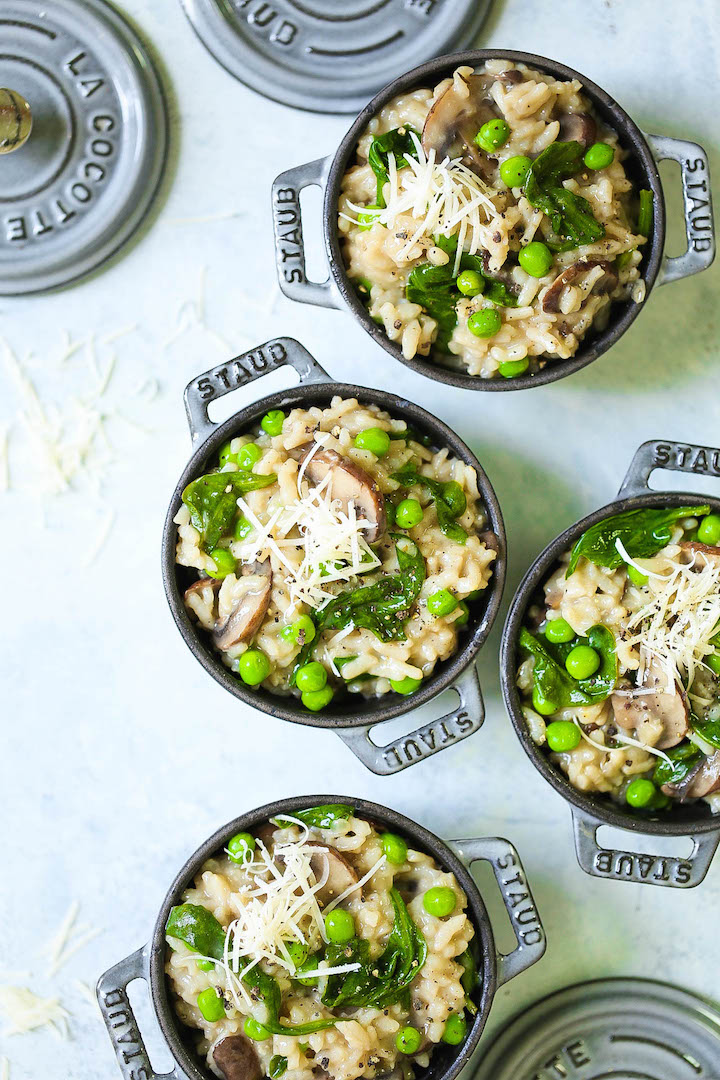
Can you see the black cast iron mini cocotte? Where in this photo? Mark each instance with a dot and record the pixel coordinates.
(355, 718)
(589, 812)
(495, 969)
(642, 166)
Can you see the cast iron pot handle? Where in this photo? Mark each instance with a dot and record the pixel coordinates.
(518, 900)
(289, 244)
(697, 200)
(243, 369)
(446, 731)
(120, 1019)
(618, 865)
(666, 454)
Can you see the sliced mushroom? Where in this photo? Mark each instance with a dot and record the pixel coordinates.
(249, 611)
(511, 77)
(340, 874)
(578, 127)
(670, 709)
(266, 834)
(349, 484)
(694, 548)
(237, 1059)
(455, 119)
(199, 586)
(700, 781)
(604, 284)
(490, 540)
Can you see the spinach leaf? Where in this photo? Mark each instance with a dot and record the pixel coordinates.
(499, 293)
(557, 685)
(265, 988)
(382, 982)
(449, 499)
(411, 434)
(212, 501)
(382, 607)
(470, 979)
(197, 928)
(709, 730)
(324, 817)
(278, 1065)
(398, 142)
(683, 758)
(642, 532)
(570, 215)
(341, 661)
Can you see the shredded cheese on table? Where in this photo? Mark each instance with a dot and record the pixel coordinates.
(26, 1011)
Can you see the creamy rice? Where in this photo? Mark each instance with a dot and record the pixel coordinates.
(379, 257)
(363, 1041)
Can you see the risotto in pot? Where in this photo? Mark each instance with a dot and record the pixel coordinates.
(620, 661)
(319, 947)
(488, 223)
(335, 550)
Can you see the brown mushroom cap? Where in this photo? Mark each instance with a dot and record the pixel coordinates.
(201, 584)
(606, 283)
(455, 119)
(694, 548)
(700, 781)
(670, 709)
(349, 483)
(578, 127)
(341, 875)
(245, 619)
(237, 1059)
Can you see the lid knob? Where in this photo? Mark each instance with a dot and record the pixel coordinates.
(15, 121)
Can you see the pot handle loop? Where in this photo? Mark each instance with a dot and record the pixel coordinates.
(117, 1012)
(447, 730)
(241, 370)
(697, 206)
(289, 243)
(517, 897)
(666, 454)
(665, 870)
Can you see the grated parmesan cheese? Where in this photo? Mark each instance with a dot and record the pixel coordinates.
(27, 1011)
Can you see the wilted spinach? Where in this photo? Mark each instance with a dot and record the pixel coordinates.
(683, 758)
(397, 142)
(570, 215)
(449, 499)
(324, 817)
(709, 730)
(642, 532)
(556, 684)
(212, 501)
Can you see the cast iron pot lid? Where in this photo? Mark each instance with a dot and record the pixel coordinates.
(80, 185)
(330, 55)
(610, 1029)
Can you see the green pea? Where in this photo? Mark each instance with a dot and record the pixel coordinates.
(311, 677)
(243, 528)
(226, 454)
(272, 422)
(536, 258)
(442, 602)
(240, 845)
(582, 662)
(302, 631)
(297, 952)
(485, 323)
(278, 1065)
(339, 927)
(390, 513)
(224, 563)
(640, 792)
(559, 631)
(709, 530)
(440, 900)
(541, 704)
(492, 135)
(510, 369)
(599, 156)
(210, 1005)
(310, 965)
(464, 614)
(562, 735)
(471, 283)
(636, 577)
(408, 514)
(713, 662)
(248, 455)
(253, 667)
(514, 170)
(408, 1040)
(373, 439)
(205, 965)
(315, 700)
(255, 1030)
(405, 686)
(365, 219)
(455, 1029)
(394, 848)
(454, 496)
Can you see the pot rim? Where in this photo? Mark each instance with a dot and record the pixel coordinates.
(171, 1026)
(373, 712)
(597, 807)
(610, 111)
